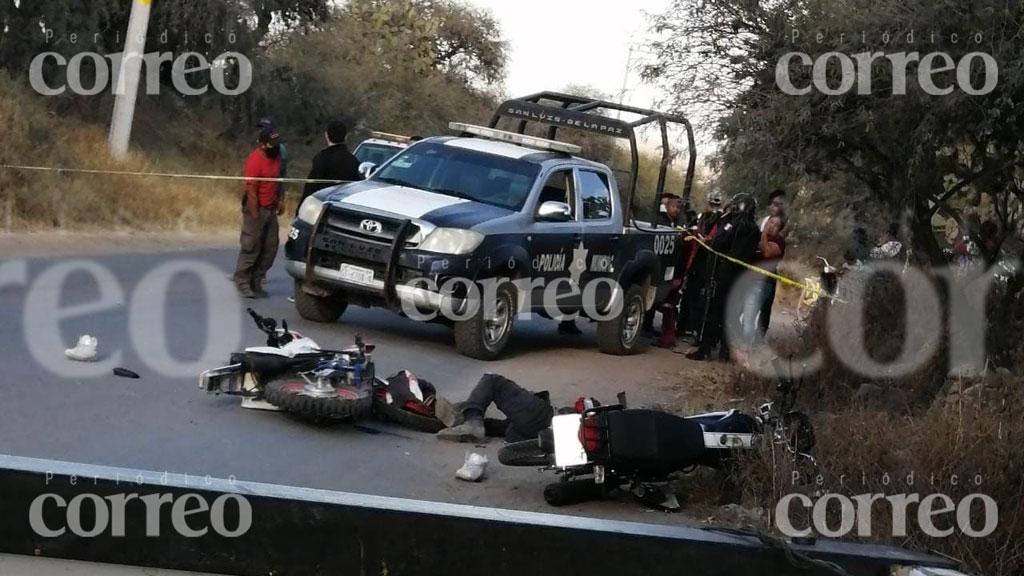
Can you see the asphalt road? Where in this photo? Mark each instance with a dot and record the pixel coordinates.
(50, 409)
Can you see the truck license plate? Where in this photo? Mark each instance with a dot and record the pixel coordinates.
(356, 274)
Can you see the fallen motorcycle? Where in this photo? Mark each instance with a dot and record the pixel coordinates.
(615, 447)
(292, 373)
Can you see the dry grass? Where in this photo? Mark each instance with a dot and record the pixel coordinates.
(35, 135)
(954, 449)
(944, 433)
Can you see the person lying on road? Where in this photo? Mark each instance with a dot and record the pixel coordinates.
(527, 413)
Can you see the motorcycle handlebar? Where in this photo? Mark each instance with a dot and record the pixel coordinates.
(267, 325)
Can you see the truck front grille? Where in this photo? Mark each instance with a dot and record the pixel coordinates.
(343, 238)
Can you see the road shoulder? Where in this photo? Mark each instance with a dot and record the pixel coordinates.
(52, 244)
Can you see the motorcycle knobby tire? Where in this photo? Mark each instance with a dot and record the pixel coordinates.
(349, 403)
(525, 453)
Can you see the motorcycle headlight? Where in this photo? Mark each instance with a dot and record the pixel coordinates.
(452, 241)
(311, 210)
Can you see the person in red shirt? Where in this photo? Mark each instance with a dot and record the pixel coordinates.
(260, 209)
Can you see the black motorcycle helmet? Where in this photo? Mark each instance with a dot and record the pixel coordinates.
(742, 206)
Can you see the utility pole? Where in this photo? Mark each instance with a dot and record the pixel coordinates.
(625, 80)
(127, 89)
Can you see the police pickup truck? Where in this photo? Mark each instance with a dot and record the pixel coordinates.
(476, 229)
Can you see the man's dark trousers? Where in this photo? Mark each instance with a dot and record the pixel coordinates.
(765, 317)
(527, 413)
(259, 243)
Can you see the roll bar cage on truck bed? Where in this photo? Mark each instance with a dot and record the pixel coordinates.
(581, 113)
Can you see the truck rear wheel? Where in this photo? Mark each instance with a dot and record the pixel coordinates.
(484, 334)
(620, 336)
(319, 308)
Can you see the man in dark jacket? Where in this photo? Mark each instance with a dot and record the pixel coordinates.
(334, 162)
(738, 238)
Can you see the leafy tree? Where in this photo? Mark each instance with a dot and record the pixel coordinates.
(209, 27)
(915, 154)
(454, 38)
(380, 66)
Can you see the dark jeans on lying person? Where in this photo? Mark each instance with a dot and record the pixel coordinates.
(527, 412)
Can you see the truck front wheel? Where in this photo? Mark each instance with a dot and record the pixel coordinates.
(484, 334)
(620, 336)
(325, 309)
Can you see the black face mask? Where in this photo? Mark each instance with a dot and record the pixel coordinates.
(272, 152)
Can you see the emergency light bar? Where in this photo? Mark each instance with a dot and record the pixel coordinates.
(513, 138)
(389, 136)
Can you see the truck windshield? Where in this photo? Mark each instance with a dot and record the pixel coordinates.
(468, 174)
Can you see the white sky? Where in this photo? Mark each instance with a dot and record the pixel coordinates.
(558, 42)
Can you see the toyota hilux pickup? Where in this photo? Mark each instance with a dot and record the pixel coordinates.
(479, 228)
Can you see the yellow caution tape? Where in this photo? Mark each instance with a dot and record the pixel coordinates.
(812, 289)
(162, 175)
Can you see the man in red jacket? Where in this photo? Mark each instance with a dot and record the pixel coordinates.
(260, 208)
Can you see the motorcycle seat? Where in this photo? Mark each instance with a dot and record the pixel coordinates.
(653, 442)
(269, 366)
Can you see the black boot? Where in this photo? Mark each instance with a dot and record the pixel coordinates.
(700, 354)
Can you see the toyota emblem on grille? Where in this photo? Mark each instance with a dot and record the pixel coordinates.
(371, 226)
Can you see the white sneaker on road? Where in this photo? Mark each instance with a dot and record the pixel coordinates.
(85, 350)
(474, 468)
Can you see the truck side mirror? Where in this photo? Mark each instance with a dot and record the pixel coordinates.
(366, 169)
(554, 212)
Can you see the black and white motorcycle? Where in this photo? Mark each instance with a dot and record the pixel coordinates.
(292, 373)
(604, 449)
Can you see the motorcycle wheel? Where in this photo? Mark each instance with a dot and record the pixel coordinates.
(799, 432)
(573, 492)
(351, 403)
(525, 453)
(391, 413)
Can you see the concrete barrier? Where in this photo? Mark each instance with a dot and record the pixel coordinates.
(299, 531)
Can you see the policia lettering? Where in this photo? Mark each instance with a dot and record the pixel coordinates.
(549, 262)
(578, 264)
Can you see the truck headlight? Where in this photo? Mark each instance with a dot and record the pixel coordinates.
(451, 241)
(311, 210)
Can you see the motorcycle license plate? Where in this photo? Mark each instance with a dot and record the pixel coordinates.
(568, 448)
(356, 274)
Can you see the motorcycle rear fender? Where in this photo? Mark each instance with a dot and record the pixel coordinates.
(569, 450)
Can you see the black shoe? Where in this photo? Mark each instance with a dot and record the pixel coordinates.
(700, 355)
(569, 329)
